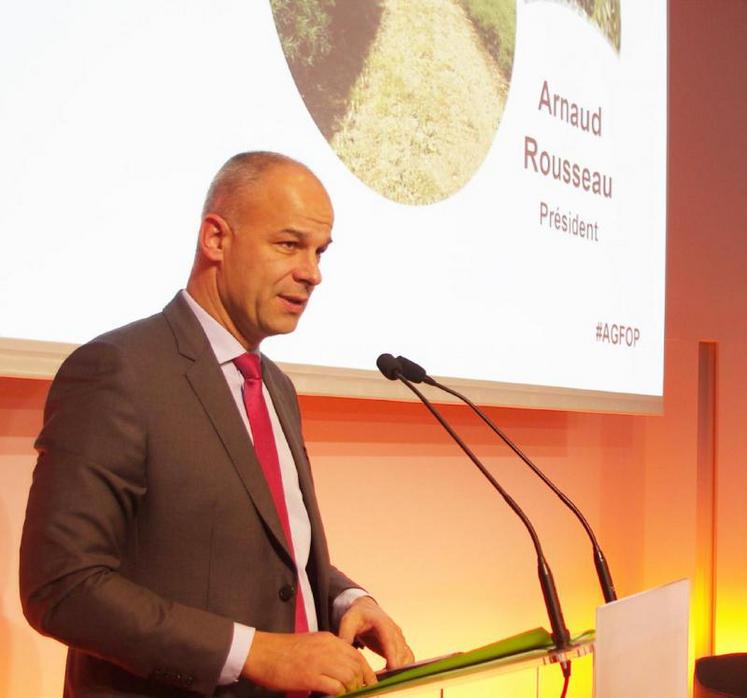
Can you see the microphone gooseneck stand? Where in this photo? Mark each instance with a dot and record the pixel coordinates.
(417, 374)
(389, 366)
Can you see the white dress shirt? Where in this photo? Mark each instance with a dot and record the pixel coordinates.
(227, 348)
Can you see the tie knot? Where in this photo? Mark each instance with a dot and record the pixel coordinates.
(249, 366)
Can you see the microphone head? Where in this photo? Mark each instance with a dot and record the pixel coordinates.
(389, 366)
(412, 371)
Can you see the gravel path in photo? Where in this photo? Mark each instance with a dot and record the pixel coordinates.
(425, 109)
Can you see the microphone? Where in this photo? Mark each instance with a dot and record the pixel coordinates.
(390, 366)
(392, 369)
(417, 374)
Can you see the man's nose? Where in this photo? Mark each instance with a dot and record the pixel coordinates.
(308, 271)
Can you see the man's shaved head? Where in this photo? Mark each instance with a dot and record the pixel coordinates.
(234, 181)
(266, 222)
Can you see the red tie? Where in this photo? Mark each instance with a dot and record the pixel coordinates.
(267, 455)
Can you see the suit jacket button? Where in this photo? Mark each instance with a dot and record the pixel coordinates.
(287, 592)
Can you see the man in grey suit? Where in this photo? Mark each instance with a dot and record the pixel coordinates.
(156, 545)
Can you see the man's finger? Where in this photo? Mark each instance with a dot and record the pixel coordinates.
(406, 655)
(401, 650)
(329, 686)
(391, 653)
(354, 672)
(364, 675)
(386, 636)
(348, 629)
(369, 677)
(396, 651)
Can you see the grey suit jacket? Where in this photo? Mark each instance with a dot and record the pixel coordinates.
(150, 527)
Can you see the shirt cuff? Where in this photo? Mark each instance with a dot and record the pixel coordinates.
(243, 636)
(343, 602)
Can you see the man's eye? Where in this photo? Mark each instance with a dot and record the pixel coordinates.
(288, 244)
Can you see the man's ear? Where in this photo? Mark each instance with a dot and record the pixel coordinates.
(213, 237)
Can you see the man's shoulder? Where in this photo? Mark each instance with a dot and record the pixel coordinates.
(174, 324)
(147, 341)
(135, 333)
(132, 345)
(139, 338)
(138, 334)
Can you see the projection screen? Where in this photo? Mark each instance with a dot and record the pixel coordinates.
(498, 172)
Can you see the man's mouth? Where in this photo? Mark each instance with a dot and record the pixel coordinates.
(294, 303)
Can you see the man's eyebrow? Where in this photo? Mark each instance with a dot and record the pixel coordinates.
(303, 235)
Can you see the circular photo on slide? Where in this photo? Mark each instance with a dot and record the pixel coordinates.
(605, 14)
(409, 93)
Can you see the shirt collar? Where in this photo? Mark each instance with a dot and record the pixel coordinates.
(224, 345)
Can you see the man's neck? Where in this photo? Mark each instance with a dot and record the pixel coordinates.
(206, 296)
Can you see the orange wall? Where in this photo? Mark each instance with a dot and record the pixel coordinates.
(409, 518)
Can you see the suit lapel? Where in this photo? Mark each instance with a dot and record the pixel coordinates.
(289, 421)
(207, 381)
(285, 406)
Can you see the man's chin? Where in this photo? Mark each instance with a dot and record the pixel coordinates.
(284, 326)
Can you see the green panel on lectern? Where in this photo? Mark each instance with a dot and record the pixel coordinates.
(537, 639)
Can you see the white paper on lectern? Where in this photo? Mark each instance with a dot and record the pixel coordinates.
(641, 644)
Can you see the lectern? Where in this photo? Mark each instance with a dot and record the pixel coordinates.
(640, 649)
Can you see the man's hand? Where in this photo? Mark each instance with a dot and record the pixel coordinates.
(366, 622)
(306, 662)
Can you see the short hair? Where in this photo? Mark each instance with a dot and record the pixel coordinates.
(240, 172)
